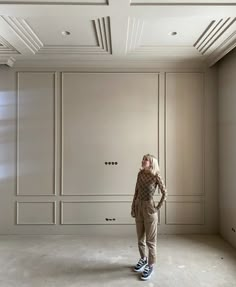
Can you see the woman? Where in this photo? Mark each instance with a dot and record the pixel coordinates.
(145, 212)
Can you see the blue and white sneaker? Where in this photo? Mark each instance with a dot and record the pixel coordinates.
(147, 272)
(140, 265)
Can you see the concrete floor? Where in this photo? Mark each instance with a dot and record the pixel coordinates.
(70, 260)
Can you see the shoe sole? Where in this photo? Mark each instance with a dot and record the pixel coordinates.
(141, 269)
(146, 278)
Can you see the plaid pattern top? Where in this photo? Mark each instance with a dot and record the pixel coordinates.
(146, 186)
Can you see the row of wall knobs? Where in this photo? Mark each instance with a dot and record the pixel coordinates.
(111, 162)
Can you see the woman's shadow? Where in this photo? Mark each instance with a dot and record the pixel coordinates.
(59, 268)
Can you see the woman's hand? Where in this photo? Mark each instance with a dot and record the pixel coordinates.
(132, 213)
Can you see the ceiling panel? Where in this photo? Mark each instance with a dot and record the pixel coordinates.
(116, 31)
(180, 2)
(78, 2)
(159, 32)
(49, 30)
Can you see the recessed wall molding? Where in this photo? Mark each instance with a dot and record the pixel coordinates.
(108, 212)
(30, 212)
(185, 147)
(194, 213)
(23, 130)
(100, 104)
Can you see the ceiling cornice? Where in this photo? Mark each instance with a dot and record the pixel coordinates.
(8, 61)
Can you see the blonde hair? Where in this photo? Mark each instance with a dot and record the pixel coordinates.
(154, 166)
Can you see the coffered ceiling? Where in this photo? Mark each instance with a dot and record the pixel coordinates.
(115, 32)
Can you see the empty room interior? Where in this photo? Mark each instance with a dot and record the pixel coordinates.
(87, 88)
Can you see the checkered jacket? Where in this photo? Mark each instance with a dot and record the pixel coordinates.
(146, 186)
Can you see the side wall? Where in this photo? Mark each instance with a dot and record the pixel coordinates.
(227, 140)
(72, 142)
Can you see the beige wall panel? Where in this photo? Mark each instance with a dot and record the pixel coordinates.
(96, 212)
(227, 143)
(107, 118)
(185, 133)
(7, 148)
(185, 213)
(35, 134)
(126, 118)
(35, 213)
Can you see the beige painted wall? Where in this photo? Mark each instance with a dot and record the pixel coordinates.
(227, 143)
(56, 123)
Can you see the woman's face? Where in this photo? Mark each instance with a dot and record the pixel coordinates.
(146, 163)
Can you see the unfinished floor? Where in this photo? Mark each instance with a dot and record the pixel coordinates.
(71, 260)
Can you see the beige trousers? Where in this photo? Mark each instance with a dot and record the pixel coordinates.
(146, 227)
